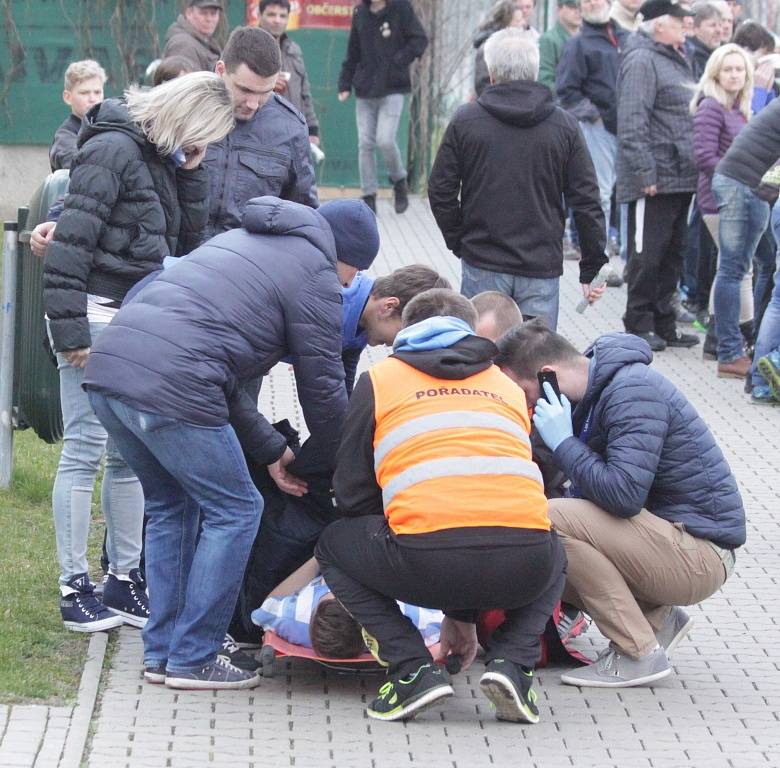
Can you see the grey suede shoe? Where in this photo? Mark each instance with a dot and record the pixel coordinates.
(677, 626)
(613, 669)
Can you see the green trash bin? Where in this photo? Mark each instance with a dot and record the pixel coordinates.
(36, 382)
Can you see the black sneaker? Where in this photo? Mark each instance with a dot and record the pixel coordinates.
(402, 698)
(401, 195)
(370, 201)
(218, 675)
(155, 673)
(237, 657)
(657, 344)
(680, 339)
(510, 689)
(126, 596)
(81, 610)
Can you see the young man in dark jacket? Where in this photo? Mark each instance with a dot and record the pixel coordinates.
(293, 82)
(165, 380)
(656, 174)
(653, 515)
(498, 184)
(384, 40)
(267, 153)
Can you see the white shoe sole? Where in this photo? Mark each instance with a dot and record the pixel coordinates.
(155, 678)
(416, 707)
(500, 691)
(95, 626)
(185, 684)
(128, 618)
(679, 637)
(586, 683)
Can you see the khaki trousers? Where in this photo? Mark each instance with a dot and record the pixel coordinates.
(627, 573)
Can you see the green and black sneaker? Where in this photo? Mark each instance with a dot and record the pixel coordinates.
(402, 698)
(510, 689)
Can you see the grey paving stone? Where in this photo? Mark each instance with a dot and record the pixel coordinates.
(721, 709)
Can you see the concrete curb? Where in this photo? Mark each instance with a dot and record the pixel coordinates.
(85, 704)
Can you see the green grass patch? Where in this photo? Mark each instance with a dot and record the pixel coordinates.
(39, 659)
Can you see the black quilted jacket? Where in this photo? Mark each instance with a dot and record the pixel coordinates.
(127, 208)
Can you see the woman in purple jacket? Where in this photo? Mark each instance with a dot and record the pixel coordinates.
(721, 108)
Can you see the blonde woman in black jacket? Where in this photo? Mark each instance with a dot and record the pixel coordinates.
(137, 194)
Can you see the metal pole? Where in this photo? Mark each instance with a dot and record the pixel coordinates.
(8, 309)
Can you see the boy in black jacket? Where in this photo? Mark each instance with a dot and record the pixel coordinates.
(84, 81)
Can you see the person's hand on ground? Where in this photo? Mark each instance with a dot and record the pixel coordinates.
(458, 638)
(41, 236)
(286, 482)
(343, 95)
(77, 357)
(552, 417)
(593, 294)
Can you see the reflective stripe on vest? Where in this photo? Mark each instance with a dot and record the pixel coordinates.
(459, 466)
(447, 420)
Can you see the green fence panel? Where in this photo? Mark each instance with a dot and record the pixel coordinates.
(36, 381)
(43, 36)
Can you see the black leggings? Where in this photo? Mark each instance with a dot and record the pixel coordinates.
(368, 570)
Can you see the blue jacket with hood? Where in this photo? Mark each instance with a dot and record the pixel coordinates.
(643, 445)
(227, 314)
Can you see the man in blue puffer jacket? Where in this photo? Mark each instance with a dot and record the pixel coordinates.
(653, 513)
(164, 381)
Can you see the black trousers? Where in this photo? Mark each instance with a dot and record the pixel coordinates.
(368, 570)
(652, 274)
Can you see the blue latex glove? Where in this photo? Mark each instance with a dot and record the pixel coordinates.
(553, 419)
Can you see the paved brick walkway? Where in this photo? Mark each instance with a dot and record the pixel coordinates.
(33, 736)
(720, 710)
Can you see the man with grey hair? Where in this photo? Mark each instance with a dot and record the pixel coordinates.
(505, 166)
(656, 173)
(706, 36)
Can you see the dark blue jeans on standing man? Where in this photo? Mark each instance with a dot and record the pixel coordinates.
(187, 473)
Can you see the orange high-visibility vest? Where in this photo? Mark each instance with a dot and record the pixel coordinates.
(454, 453)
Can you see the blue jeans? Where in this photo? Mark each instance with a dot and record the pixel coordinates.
(187, 472)
(743, 219)
(769, 333)
(602, 146)
(121, 498)
(535, 296)
(377, 126)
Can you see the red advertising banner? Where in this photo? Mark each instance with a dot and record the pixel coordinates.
(310, 14)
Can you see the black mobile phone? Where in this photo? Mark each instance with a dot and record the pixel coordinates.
(552, 379)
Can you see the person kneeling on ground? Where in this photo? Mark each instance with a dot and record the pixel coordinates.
(303, 611)
(654, 513)
(165, 381)
(436, 438)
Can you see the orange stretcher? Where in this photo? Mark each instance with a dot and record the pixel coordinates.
(275, 648)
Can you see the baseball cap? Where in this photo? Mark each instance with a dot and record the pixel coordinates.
(652, 9)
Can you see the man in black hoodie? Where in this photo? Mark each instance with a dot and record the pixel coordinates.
(498, 184)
